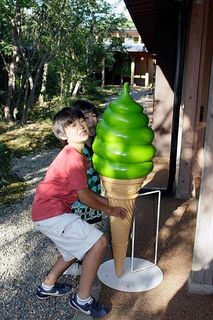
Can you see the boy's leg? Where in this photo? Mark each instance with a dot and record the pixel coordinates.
(49, 288)
(57, 270)
(82, 300)
(90, 265)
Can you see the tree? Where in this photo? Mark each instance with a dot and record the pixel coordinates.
(67, 36)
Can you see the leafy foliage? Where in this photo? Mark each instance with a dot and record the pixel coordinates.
(67, 36)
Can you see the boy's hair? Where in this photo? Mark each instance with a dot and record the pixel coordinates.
(63, 119)
(85, 106)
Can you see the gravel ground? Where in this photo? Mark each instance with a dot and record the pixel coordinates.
(26, 255)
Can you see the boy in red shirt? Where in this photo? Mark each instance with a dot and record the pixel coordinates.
(90, 215)
(64, 183)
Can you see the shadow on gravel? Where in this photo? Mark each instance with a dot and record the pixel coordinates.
(23, 266)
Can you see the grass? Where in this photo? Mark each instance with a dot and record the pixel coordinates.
(16, 141)
(36, 135)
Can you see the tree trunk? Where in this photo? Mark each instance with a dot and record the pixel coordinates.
(25, 100)
(6, 113)
(31, 97)
(13, 65)
(61, 84)
(103, 73)
(71, 87)
(77, 87)
(43, 86)
(23, 88)
(11, 82)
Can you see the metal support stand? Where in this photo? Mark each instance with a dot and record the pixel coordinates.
(138, 274)
(157, 230)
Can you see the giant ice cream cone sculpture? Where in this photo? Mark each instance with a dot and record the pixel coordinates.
(121, 193)
(123, 154)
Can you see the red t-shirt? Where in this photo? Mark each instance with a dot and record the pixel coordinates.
(55, 194)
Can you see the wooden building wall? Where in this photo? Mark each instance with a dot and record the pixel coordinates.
(194, 99)
(201, 278)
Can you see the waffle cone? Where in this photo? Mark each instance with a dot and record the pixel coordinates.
(121, 193)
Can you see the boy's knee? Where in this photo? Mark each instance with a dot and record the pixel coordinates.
(102, 241)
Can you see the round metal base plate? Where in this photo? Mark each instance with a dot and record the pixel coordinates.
(145, 275)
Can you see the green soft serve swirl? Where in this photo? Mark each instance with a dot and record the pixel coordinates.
(123, 145)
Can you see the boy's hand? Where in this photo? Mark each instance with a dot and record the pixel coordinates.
(118, 212)
(94, 200)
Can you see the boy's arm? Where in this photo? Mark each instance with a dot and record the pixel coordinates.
(95, 201)
(99, 197)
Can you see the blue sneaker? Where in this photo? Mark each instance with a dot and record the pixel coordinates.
(94, 309)
(57, 291)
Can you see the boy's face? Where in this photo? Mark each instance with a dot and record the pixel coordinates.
(91, 121)
(77, 131)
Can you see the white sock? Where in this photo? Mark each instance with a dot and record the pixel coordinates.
(46, 287)
(84, 301)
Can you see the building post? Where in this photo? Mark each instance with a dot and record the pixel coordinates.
(146, 80)
(189, 122)
(132, 70)
(201, 279)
